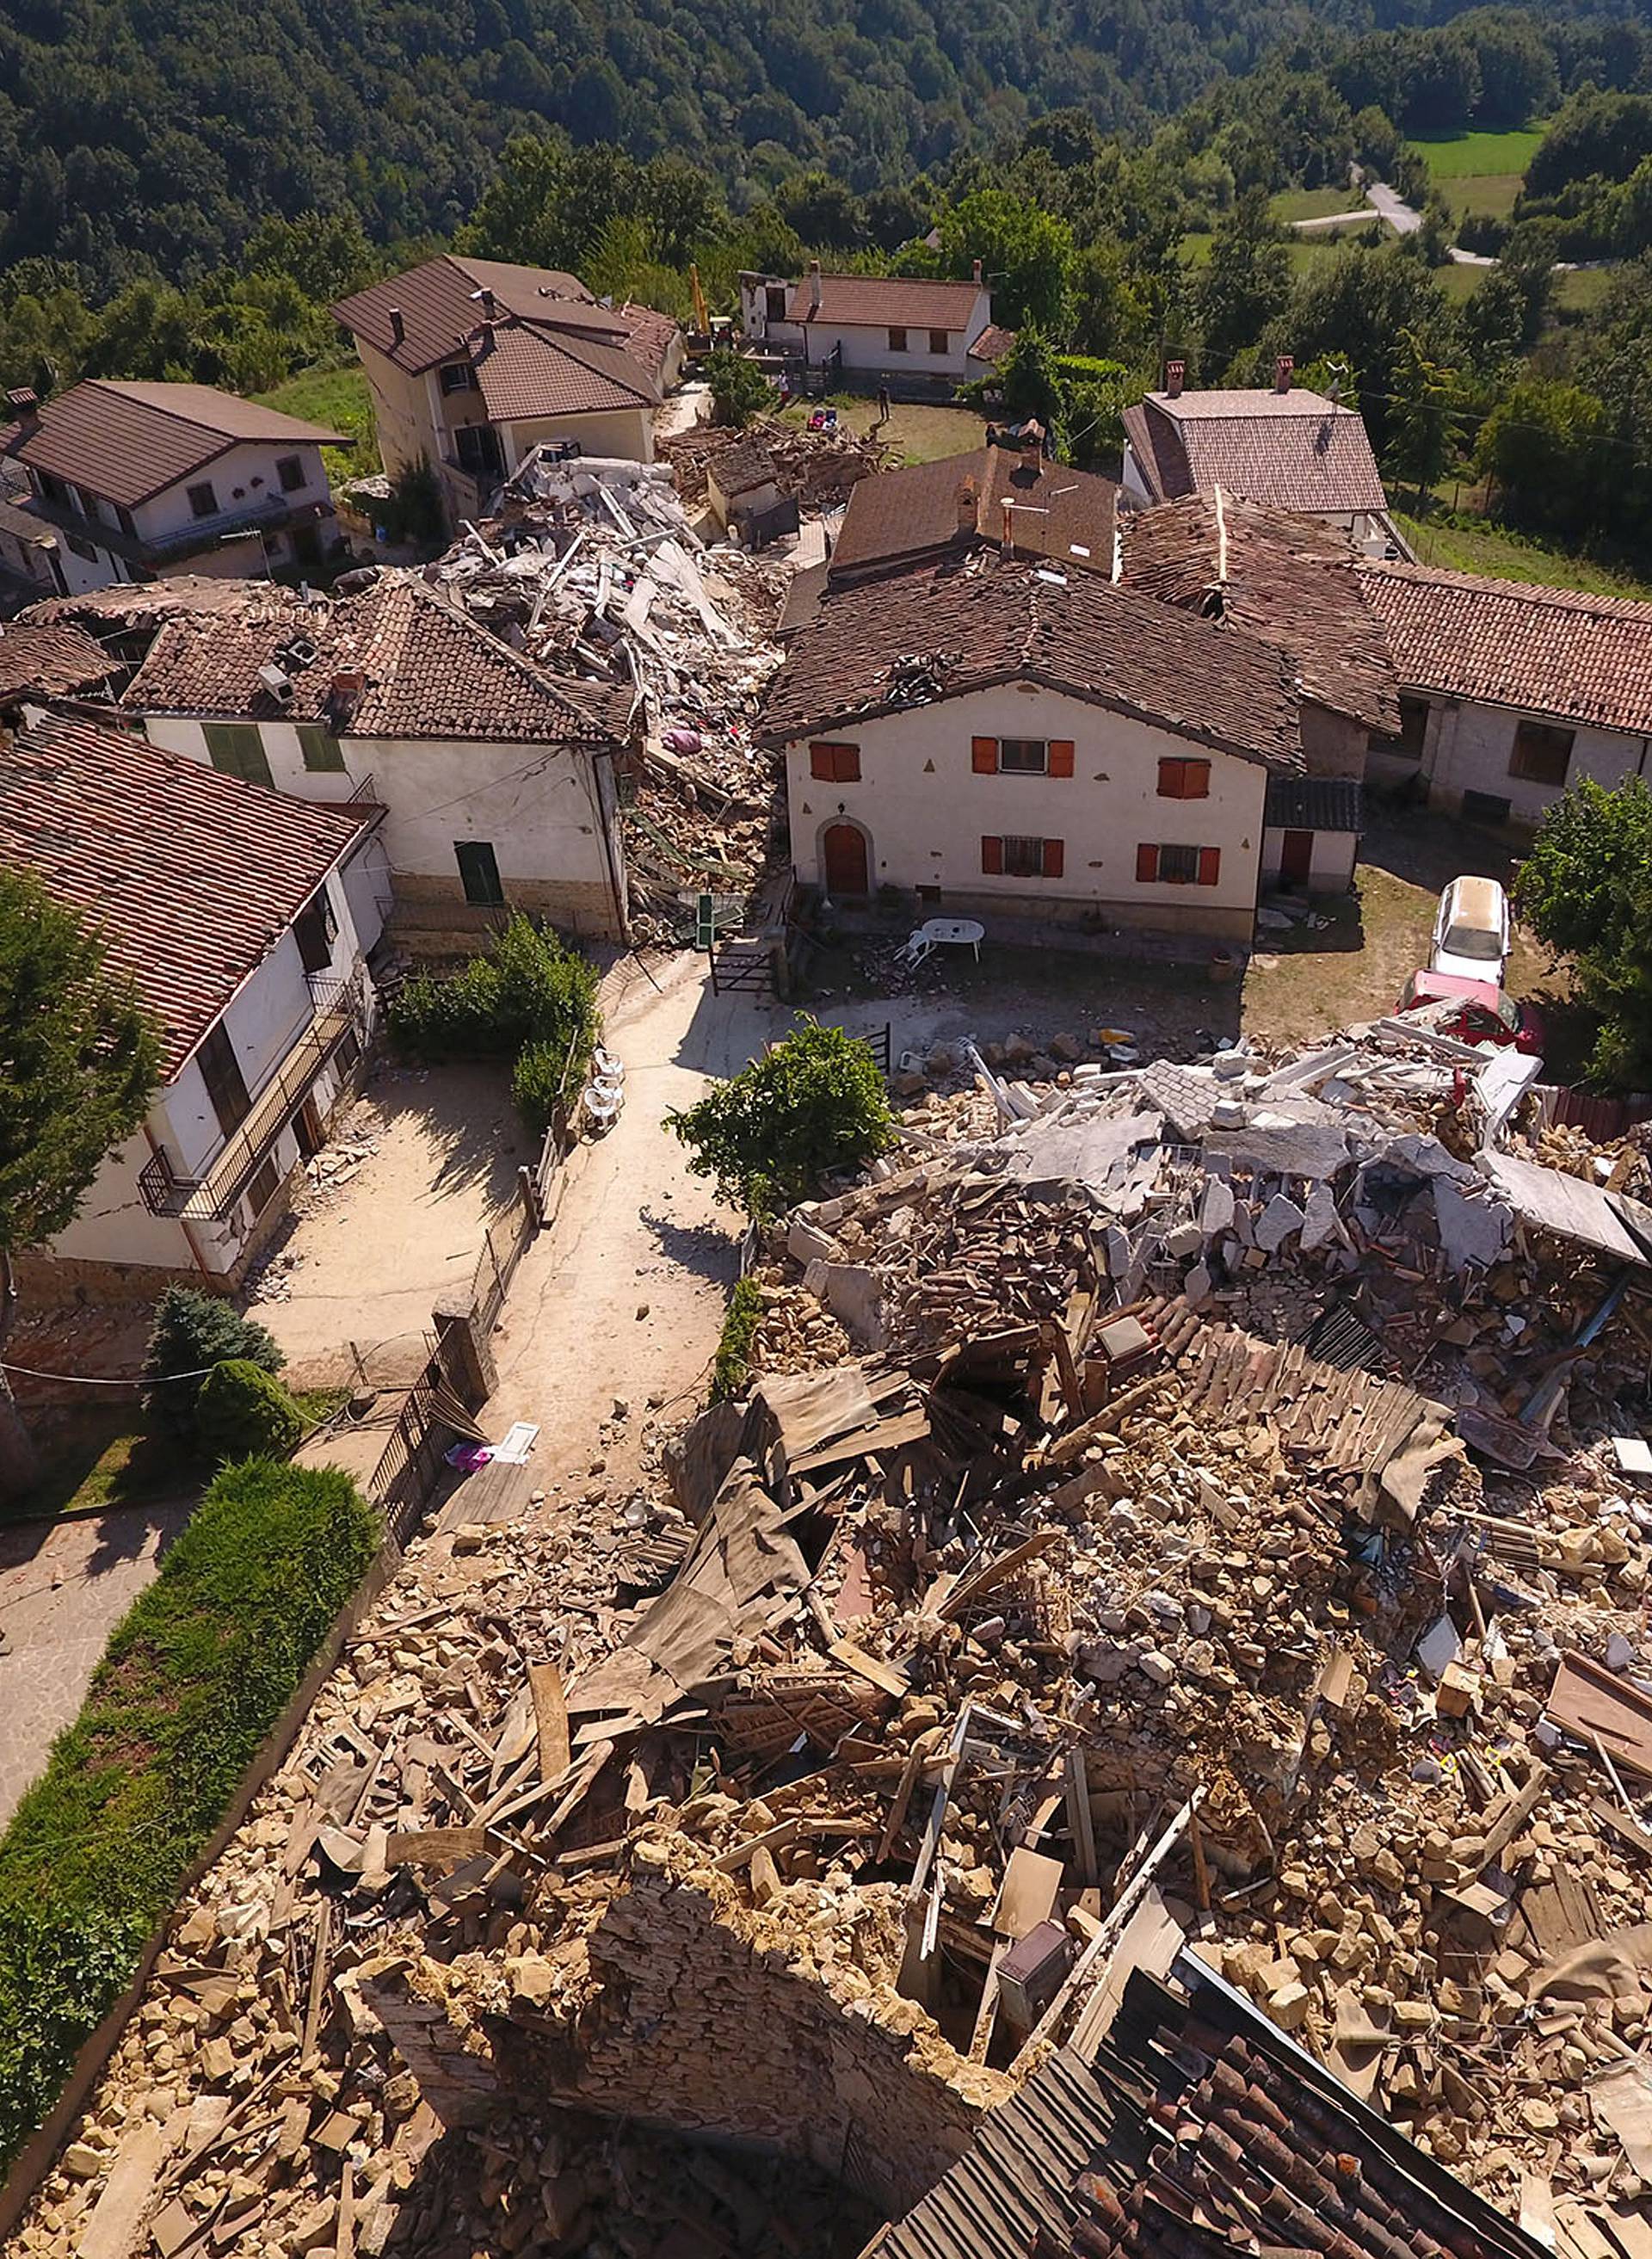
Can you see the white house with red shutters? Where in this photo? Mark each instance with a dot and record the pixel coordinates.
(995, 738)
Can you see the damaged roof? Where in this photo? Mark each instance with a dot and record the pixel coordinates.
(50, 659)
(1274, 574)
(432, 671)
(939, 631)
(1585, 659)
(127, 442)
(1294, 449)
(192, 876)
(1055, 512)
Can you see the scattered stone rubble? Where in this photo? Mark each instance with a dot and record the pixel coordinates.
(1055, 1591)
(818, 469)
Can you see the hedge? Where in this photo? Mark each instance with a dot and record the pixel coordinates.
(736, 1342)
(194, 1676)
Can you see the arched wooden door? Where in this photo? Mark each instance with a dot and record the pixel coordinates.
(844, 853)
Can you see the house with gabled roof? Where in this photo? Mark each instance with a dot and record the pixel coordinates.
(473, 363)
(140, 480)
(1510, 691)
(876, 328)
(245, 919)
(494, 779)
(996, 738)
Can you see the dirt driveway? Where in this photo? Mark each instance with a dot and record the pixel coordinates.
(369, 1248)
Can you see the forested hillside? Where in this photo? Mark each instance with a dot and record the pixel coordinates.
(155, 135)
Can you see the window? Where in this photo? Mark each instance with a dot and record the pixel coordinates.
(1541, 753)
(86, 549)
(236, 749)
(478, 868)
(319, 747)
(480, 451)
(203, 499)
(897, 341)
(835, 764)
(1184, 780)
(313, 929)
(1012, 857)
(457, 376)
(262, 1190)
(289, 469)
(774, 302)
(1175, 865)
(938, 341)
(1021, 756)
(127, 523)
(226, 1084)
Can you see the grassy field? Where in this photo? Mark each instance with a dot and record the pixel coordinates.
(1582, 289)
(1292, 204)
(917, 434)
(1461, 156)
(339, 399)
(1511, 557)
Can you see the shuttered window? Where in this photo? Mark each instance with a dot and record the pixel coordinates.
(835, 764)
(236, 749)
(984, 756)
(1176, 866)
(478, 870)
(1014, 855)
(319, 747)
(1182, 780)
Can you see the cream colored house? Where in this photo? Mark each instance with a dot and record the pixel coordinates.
(875, 328)
(473, 362)
(1003, 740)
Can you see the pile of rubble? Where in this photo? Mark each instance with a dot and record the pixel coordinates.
(817, 468)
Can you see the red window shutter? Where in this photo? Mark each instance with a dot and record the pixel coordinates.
(1052, 858)
(984, 756)
(821, 762)
(1061, 757)
(1146, 864)
(848, 764)
(1170, 779)
(1209, 866)
(992, 856)
(834, 764)
(1196, 781)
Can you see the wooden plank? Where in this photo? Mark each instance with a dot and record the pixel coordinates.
(551, 1714)
(871, 1668)
(317, 1982)
(1079, 1823)
(1026, 1895)
(113, 2230)
(1510, 1821)
(912, 1767)
(431, 1846)
(984, 1579)
(932, 1826)
(986, 2013)
(1627, 1828)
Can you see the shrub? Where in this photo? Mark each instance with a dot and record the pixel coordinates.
(739, 389)
(194, 1675)
(812, 1104)
(528, 987)
(734, 1346)
(245, 1412)
(537, 1084)
(191, 1332)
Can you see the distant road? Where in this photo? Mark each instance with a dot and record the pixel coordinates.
(1404, 218)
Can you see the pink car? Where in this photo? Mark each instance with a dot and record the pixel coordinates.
(1474, 1011)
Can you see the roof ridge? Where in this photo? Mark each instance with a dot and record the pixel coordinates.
(495, 648)
(1545, 593)
(115, 384)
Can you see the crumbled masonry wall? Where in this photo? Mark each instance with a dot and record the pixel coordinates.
(698, 2015)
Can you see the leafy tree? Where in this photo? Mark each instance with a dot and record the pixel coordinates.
(1029, 384)
(1505, 313)
(1586, 891)
(1425, 418)
(245, 1412)
(81, 1057)
(897, 214)
(327, 254)
(1246, 284)
(812, 1105)
(1356, 308)
(739, 389)
(1026, 255)
(821, 211)
(1541, 444)
(190, 1336)
(1516, 65)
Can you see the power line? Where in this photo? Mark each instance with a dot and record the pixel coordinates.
(97, 1380)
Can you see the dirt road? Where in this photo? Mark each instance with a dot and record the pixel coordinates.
(624, 1296)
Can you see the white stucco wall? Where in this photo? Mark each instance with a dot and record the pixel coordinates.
(244, 482)
(1331, 869)
(1469, 748)
(626, 433)
(926, 811)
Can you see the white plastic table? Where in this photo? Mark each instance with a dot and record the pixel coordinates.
(956, 933)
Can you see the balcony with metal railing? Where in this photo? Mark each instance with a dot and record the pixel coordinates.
(340, 1009)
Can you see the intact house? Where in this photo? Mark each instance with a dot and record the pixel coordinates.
(137, 481)
(473, 363)
(245, 920)
(496, 780)
(877, 328)
(1510, 692)
(991, 738)
(1286, 448)
(1291, 581)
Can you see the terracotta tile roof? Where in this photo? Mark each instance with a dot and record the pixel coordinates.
(48, 660)
(193, 876)
(881, 302)
(432, 670)
(936, 632)
(1293, 449)
(1269, 573)
(126, 442)
(1585, 659)
(907, 513)
(554, 350)
(993, 344)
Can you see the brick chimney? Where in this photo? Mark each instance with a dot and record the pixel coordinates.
(968, 503)
(975, 273)
(813, 286)
(1032, 448)
(1283, 370)
(1175, 376)
(24, 406)
(398, 326)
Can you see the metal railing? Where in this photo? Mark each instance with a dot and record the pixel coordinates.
(209, 1197)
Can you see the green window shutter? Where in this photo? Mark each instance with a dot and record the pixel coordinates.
(478, 870)
(238, 750)
(319, 747)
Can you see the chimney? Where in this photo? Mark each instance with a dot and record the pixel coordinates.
(1174, 373)
(1006, 544)
(24, 406)
(398, 326)
(813, 286)
(489, 304)
(1032, 448)
(346, 691)
(1283, 369)
(975, 273)
(967, 505)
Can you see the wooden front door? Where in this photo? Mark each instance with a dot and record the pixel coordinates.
(845, 854)
(1296, 857)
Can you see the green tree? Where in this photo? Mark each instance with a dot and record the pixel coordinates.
(822, 212)
(739, 389)
(81, 1057)
(190, 1335)
(1030, 384)
(1426, 418)
(1542, 444)
(1247, 283)
(1026, 255)
(245, 1412)
(812, 1105)
(1585, 890)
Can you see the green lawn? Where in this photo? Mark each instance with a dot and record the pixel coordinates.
(1582, 291)
(1511, 556)
(1314, 204)
(1457, 156)
(917, 434)
(1459, 282)
(1493, 193)
(337, 399)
